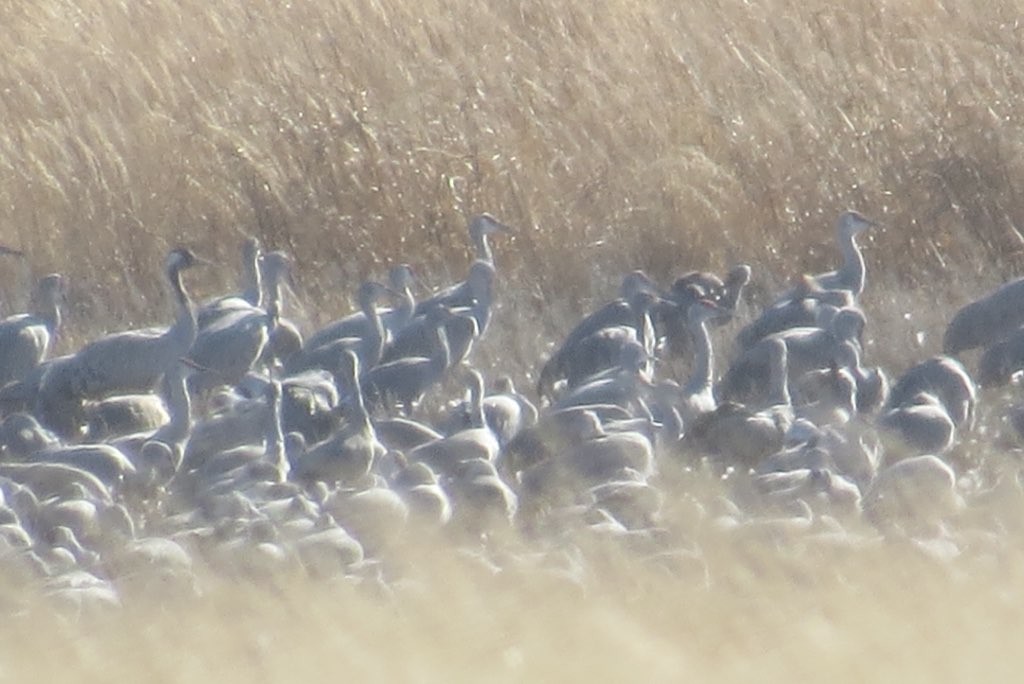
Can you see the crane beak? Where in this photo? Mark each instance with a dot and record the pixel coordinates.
(10, 251)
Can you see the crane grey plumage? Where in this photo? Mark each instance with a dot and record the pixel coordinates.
(132, 361)
(475, 294)
(158, 463)
(350, 453)
(481, 226)
(922, 423)
(807, 348)
(809, 306)
(947, 380)
(359, 325)
(630, 309)
(671, 313)
(368, 343)
(912, 493)
(123, 415)
(851, 275)
(602, 349)
(986, 320)
(697, 396)
(744, 435)
(251, 294)
(232, 343)
(624, 385)
(1001, 360)
(285, 337)
(403, 434)
(405, 380)
(25, 339)
(481, 273)
(477, 441)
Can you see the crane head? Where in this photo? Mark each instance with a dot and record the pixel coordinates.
(854, 223)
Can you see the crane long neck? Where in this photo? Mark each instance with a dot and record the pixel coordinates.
(778, 380)
(703, 369)
(482, 307)
(50, 312)
(671, 422)
(645, 332)
(375, 337)
(442, 353)
(853, 269)
(179, 405)
(405, 308)
(252, 291)
(483, 248)
(184, 329)
(476, 404)
(732, 295)
(274, 297)
(360, 416)
(275, 441)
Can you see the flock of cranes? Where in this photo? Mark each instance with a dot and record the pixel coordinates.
(232, 436)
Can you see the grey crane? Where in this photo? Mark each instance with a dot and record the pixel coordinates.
(624, 385)
(602, 349)
(477, 441)
(252, 288)
(986, 320)
(419, 487)
(403, 434)
(123, 415)
(851, 275)
(230, 344)
(808, 307)
(480, 227)
(367, 342)
(475, 295)
(21, 434)
(25, 339)
(246, 467)
(947, 380)
(285, 337)
(914, 493)
(630, 309)
(744, 435)
(592, 456)
(1001, 360)
(482, 270)
(349, 454)
(922, 423)
(156, 463)
(671, 313)
(417, 337)
(360, 325)
(507, 411)
(405, 380)
(481, 500)
(697, 396)
(807, 348)
(131, 361)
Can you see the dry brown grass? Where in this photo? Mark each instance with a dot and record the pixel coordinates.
(878, 616)
(665, 135)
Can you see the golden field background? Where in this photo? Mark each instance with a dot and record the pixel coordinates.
(662, 135)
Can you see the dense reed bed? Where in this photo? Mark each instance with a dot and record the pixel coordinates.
(660, 135)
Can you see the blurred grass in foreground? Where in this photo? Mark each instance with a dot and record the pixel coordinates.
(660, 135)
